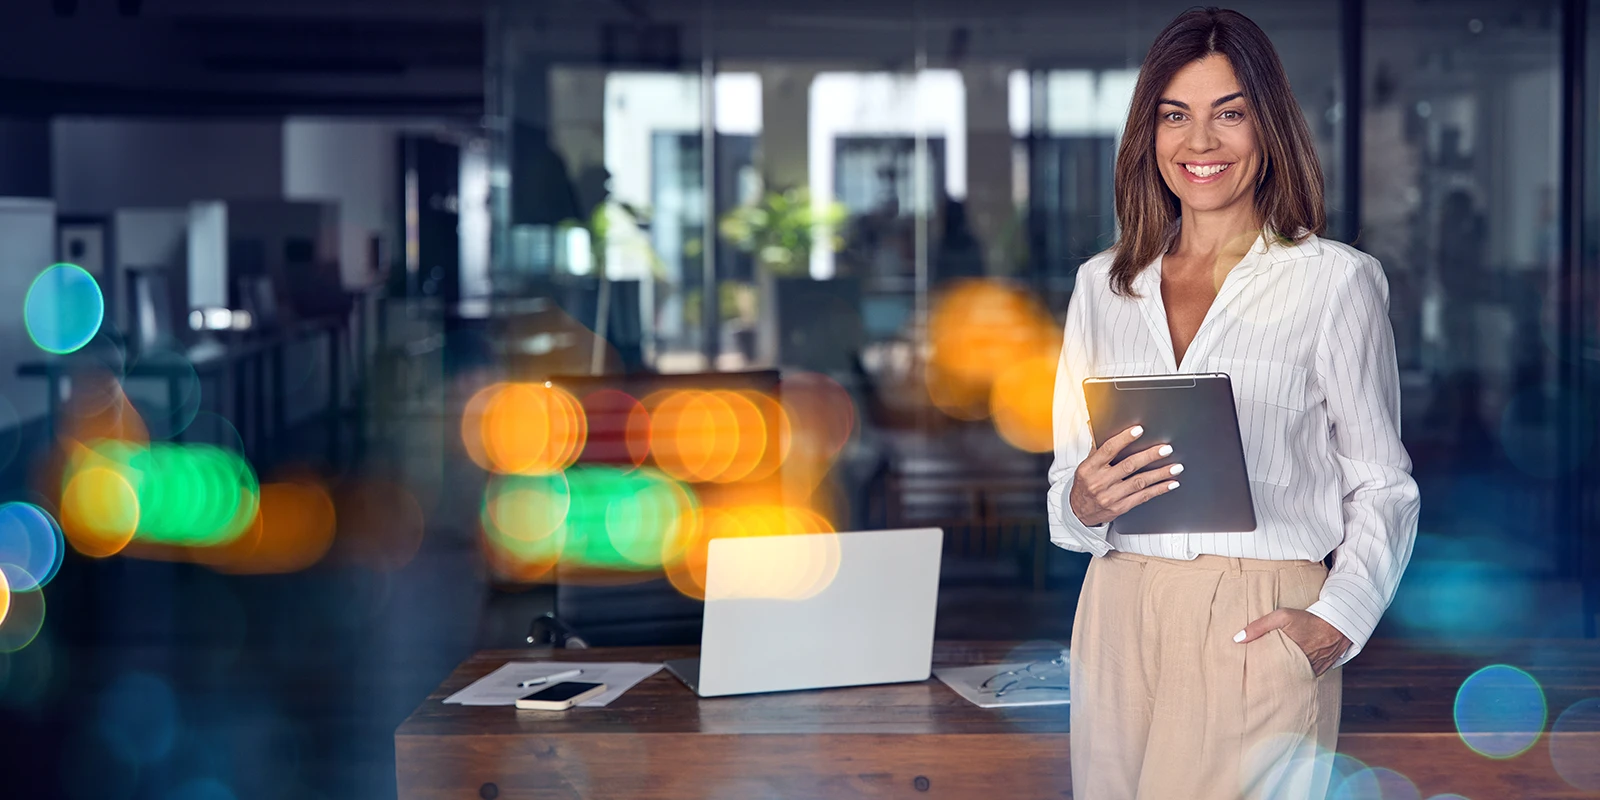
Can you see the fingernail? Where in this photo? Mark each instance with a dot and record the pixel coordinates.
(1172, 485)
(1166, 450)
(1138, 430)
(1176, 468)
(1239, 637)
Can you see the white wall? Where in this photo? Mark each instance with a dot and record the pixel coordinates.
(27, 240)
(100, 164)
(354, 163)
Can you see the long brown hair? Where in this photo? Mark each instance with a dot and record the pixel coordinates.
(1288, 194)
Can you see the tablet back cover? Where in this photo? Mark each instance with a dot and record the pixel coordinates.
(1196, 415)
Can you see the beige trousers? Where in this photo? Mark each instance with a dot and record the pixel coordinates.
(1166, 706)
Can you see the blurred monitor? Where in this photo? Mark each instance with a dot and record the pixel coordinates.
(647, 609)
(257, 296)
(152, 312)
(886, 316)
(819, 323)
(608, 421)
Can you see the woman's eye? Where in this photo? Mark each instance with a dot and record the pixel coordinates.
(1172, 116)
(1234, 114)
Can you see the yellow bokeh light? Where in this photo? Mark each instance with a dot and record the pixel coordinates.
(785, 567)
(978, 329)
(1022, 403)
(800, 579)
(99, 512)
(5, 596)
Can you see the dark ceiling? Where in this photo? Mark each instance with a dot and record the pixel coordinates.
(234, 57)
(427, 57)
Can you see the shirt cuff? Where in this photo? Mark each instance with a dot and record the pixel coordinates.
(1068, 532)
(1351, 606)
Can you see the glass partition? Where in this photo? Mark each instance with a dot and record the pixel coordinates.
(811, 187)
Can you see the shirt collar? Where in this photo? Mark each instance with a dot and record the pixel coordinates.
(1269, 249)
(1283, 249)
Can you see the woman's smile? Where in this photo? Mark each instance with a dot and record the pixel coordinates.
(1202, 172)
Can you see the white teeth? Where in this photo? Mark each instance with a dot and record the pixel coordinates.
(1206, 172)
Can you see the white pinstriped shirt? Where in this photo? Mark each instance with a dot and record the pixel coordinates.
(1303, 331)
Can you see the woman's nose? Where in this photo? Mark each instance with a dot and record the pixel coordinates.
(1202, 137)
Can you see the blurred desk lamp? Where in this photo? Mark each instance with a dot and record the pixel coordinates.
(220, 319)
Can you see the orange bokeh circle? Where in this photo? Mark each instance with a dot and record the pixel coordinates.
(530, 429)
(1022, 403)
(748, 434)
(294, 528)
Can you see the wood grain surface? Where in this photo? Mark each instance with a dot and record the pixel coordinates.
(921, 740)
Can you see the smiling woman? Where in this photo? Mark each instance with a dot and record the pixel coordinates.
(1232, 640)
(1214, 126)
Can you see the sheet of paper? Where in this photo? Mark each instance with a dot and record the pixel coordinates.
(968, 682)
(499, 688)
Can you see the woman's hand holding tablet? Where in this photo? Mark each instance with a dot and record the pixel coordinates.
(1191, 413)
(1101, 491)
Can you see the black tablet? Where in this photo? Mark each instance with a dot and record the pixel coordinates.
(1196, 415)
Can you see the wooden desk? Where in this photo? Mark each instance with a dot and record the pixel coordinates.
(922, 740)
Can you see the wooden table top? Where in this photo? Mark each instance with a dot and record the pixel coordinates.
(1392, 687)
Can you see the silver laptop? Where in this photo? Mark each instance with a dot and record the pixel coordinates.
(816, 610)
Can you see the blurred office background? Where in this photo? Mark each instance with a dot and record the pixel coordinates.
(339, 248)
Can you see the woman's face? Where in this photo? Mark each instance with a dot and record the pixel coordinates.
(1206, 138)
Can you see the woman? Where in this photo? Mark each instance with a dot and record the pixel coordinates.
(1207, 665)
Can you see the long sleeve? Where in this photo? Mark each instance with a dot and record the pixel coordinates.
(1356, 366)
(1073, 440)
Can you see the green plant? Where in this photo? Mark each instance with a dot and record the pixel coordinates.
(781, 229)
(617, 222)
(736, 300)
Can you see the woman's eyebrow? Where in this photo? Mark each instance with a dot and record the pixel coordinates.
(1214, 103)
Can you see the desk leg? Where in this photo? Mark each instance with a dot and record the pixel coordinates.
(258, 403)
(334, 397)
(275, 428)
(235, 382)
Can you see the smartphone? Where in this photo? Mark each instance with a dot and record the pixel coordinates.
(561, 696)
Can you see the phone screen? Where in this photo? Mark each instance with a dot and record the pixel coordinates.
(561, 691)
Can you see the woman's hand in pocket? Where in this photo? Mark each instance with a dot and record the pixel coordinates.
(1101, 492)
(1322, 643)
